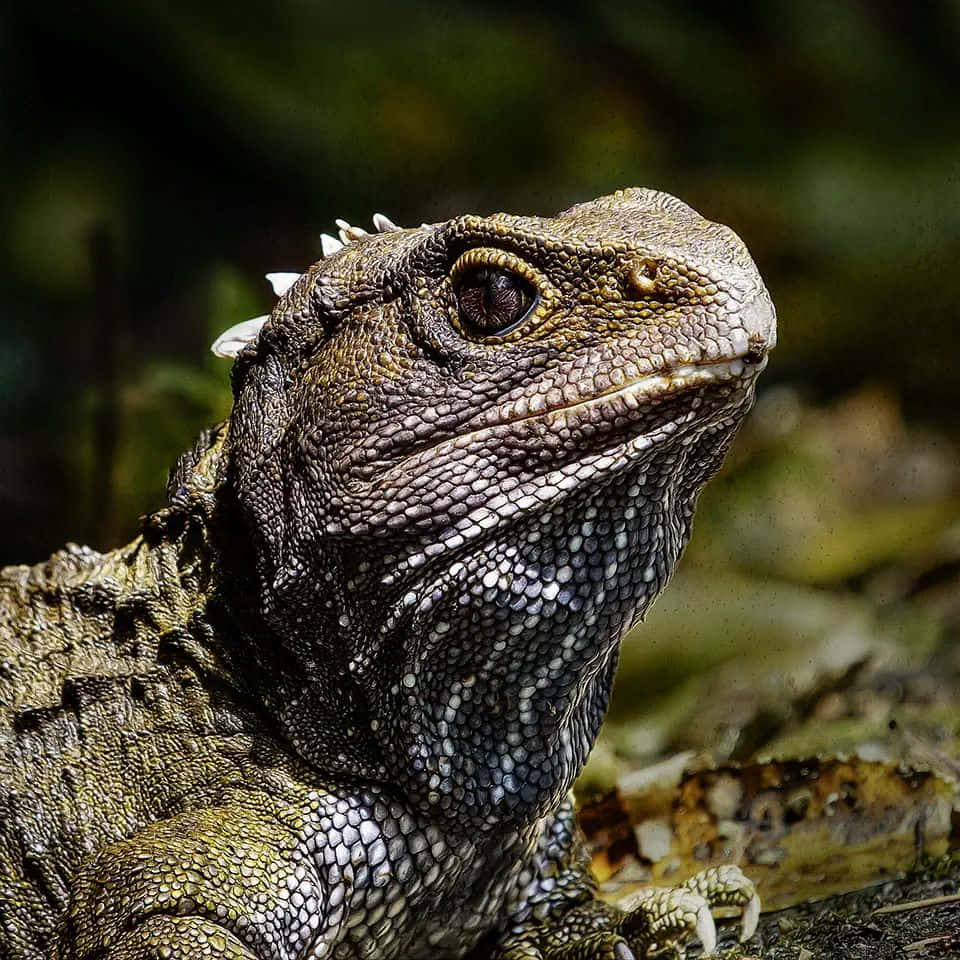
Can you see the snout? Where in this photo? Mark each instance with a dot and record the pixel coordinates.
(759, 320)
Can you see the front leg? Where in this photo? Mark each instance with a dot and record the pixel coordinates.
(164, 937)
(210, 883)
(557, 915)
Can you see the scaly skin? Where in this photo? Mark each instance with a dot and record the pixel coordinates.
(332, 700)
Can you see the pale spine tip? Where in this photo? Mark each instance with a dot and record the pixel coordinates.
(384, 224)
(233, 340)
(282, 282)
(329, 245)
(349, 232)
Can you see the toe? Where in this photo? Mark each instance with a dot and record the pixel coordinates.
(726, 886)
(672, 916)
(722, 886)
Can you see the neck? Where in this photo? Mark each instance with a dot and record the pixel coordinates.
(493, 671)
(475, 683)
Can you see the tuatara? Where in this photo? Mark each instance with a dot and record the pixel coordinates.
(332, 700)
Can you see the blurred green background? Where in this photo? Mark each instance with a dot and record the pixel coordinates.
(159, 157)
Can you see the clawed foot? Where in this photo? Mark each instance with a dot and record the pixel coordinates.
(664, 918)
(649, 923)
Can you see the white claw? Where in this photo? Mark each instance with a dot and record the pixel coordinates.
(232, 341)
(282, 282)
(706, 930)
(384, 224)
(750, 919)
(329, 245)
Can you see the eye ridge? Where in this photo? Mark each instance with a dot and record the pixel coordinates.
(493, 301)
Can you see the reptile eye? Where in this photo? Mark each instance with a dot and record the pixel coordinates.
(492, 302)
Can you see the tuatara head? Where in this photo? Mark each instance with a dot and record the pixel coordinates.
(468, 455)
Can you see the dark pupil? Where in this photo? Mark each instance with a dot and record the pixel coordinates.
(491, 301)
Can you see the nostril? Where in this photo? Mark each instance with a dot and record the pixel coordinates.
(642, 274)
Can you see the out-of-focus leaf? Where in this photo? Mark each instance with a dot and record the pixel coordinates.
(776, 636)
(802, 830)
(840, 493)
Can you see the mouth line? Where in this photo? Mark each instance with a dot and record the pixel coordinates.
(654, 386)
(621, 454)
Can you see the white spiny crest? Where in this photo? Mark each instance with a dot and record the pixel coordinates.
(348, 233)
(384, 224)
(282, 282)
(232, 341)
(329, 245)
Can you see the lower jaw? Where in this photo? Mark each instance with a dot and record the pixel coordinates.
(615, 456)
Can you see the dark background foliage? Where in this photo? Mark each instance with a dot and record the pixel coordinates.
(159, 156)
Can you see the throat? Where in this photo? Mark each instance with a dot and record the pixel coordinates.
(497, 670)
